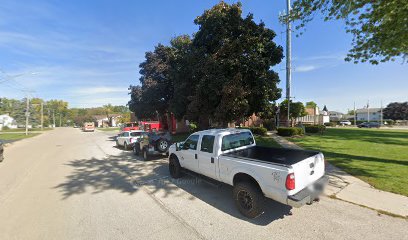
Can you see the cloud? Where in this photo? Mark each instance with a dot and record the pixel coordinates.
(100, 90)
(305, 68)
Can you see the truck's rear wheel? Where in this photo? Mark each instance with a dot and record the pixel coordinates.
(145, 155)
(174, 167)
(248, 199)
(136, 150)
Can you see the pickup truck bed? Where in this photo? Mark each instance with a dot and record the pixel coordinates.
(282, 156)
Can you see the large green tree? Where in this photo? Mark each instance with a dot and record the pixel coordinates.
(379, 27)
(396, 111)
(234, 72)
(223, 73)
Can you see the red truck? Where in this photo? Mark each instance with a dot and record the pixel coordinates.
(142, 125)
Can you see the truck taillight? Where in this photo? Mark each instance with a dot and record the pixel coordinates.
(290, 181)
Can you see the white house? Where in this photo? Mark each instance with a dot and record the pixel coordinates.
(370, 114)
(335, 116)
(7, 121)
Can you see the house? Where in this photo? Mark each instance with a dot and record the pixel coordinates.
(104, 121)
(7, 121)
(314, 116)
(335, 116)
(368, 114)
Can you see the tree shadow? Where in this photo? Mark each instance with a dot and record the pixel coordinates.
(127, 174)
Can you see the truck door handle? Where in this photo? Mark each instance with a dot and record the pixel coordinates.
(195, 156)
(212, 160)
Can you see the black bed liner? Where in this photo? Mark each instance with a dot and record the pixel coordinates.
(285, 156)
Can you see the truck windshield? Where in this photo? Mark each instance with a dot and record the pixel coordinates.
(236, 140)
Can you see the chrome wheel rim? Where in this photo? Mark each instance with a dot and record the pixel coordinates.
(245, 200)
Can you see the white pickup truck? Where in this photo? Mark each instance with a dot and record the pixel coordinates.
(289, 176)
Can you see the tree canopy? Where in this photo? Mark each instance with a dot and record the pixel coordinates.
(396, 111)
(379, 27)
(222, 73)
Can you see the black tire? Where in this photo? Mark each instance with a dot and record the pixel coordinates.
(162, 145)
(145, 154)
(136, 150)
(125, 146)
(248, 199)
(174, 167)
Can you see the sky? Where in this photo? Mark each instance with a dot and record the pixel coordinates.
(88, 52)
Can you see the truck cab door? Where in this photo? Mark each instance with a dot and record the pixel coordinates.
(206, 157)
(188, 153)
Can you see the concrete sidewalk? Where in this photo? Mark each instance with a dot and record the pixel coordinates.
(345, 187)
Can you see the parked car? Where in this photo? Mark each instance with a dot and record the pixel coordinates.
(369, 125)
(152, 143)
(289, 176)
(127, 139)
(345, 123)
(89, 127)
(1, 151)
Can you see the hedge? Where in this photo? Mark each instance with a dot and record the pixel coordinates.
(315, 129)
(257, 130)
(290, 131)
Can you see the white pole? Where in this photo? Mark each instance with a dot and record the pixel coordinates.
(368, 111)
(288, 58)
(381, 116)
(27, 114)
(355, 115)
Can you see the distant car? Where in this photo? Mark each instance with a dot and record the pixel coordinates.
(89, 127)
(127, 139)
(345, 123)
(369, 125)
(1, 151)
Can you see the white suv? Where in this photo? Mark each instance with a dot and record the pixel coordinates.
(126, 139)
(345, 123)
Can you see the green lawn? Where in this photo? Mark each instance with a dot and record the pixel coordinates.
(23, 130)
(109, 129)
(377, 156)
(15, 136)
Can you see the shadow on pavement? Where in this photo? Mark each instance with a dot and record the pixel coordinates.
(128, 174)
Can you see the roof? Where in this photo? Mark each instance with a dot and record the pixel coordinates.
(217, 131)
(335, 112)
(364, 110)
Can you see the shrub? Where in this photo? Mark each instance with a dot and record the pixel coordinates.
(330, 124)
(192, 127)
(6, 128)
(259, 131)
(269, 124)
(315, 129)
(290, 131)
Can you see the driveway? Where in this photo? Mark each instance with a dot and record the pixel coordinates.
(67, 184)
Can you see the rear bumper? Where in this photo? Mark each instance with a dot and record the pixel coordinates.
(309, 194)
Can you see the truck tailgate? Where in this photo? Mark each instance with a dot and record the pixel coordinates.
(308, 171)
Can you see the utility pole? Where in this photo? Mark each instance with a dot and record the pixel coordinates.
(27, 114)
(60, 119)
(355, 115)
(288, 57)
(53, 117)
(368, 110)
(381, 116)
(42, 116)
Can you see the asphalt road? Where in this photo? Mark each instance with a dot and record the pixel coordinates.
(67, 184)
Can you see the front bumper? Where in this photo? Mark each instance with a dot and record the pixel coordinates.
(308, 194)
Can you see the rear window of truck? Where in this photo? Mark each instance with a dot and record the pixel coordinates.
(236, 140)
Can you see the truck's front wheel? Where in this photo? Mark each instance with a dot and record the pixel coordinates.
(174, 167)
(248, 199)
